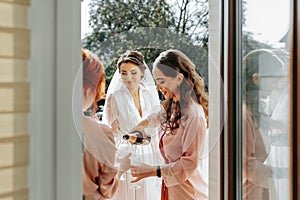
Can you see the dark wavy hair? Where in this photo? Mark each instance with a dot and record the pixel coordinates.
(170, 63)
(134, 57)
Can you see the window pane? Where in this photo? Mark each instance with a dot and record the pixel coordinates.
(265, 99)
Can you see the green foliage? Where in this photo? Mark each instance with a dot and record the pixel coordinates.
(108, 19)
(151, 27)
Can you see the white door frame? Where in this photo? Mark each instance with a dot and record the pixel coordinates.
(55, 148)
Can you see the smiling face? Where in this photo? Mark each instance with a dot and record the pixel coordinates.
(168, 86)
(131, 75)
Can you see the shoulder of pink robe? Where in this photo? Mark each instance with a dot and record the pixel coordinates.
(99, 173)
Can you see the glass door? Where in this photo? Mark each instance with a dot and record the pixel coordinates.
(260, 52)
(265, 97)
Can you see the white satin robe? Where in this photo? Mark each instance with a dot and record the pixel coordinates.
(121, 107)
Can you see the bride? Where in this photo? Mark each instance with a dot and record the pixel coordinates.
(131, 97)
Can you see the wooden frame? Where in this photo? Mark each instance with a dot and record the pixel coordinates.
(222, 106)
(232, 140)
(233, 137)
(294, 104)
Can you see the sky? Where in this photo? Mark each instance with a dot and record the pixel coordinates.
(267, 19)
(85, 18)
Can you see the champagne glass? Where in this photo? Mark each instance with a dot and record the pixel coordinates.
(118, 137)
(123, 150)
(134, 160)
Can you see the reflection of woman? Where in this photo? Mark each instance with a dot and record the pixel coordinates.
(100, 179)
(266, 78)
(182, 130)
(131, 97)
(255, 173)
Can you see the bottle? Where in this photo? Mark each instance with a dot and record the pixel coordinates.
(137, 138)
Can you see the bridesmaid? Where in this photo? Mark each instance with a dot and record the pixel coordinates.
(182, 128)
(100, 178)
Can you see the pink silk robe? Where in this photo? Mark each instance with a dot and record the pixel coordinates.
(255, 173)
(98, 173)
(182, 151)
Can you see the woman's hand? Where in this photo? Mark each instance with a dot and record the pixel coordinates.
(142, 171)
(141, 127)
(138, 128)
(124, 164)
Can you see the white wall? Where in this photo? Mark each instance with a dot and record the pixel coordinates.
(42, 105)
(215, 86)
(68, 55)
(55, 160)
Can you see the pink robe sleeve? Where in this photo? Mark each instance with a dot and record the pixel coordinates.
(100, 179)
(192, 142)
(155, 119)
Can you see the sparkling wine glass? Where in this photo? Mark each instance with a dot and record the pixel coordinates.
(134, 160)
(123, 150)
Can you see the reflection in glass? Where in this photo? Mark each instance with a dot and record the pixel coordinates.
(265, 91)
(265, 137)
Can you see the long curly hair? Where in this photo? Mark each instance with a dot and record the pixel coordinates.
(170, 63)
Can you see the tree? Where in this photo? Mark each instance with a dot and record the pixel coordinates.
(150, 27)
(111, 19)
(192, 19)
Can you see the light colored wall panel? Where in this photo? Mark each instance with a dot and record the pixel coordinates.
(13, 179)
(13, 70)
(17, 195)
(12, 15)
(21, 2)
(13, 124)
(14, 43)
(14, 97)
(16, 151)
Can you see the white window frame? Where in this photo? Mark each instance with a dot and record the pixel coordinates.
(55, 148)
